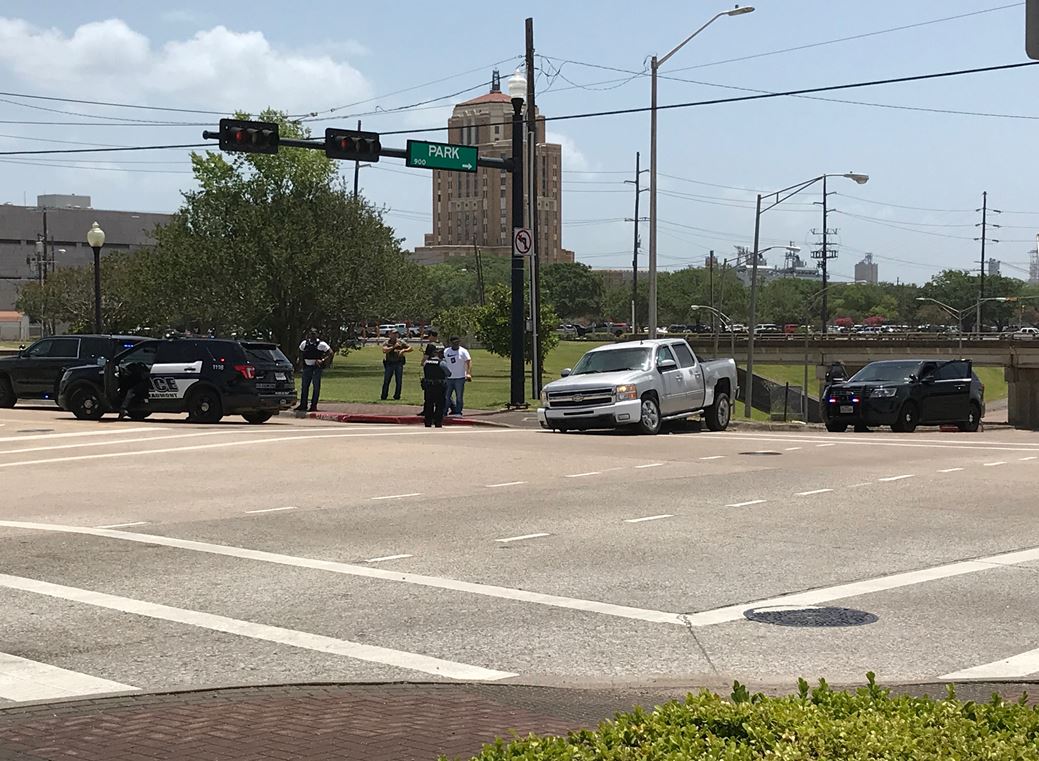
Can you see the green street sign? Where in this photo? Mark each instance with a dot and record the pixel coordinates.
(454, 158)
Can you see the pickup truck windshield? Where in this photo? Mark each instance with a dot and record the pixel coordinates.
(615, 360)
(886, 371)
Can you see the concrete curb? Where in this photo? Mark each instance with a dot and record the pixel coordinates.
(350, 417)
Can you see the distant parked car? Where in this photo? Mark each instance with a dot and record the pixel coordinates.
(1024, 334)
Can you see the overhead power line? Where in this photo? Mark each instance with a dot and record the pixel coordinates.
(110, 104)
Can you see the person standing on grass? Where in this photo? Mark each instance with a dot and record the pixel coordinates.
(435, 371)
(393, 359)
(460, 364)
(315, 354)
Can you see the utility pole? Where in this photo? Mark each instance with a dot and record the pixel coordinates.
(635, 252)
(824, 253)
(533, 215)
(357, 170)
(479, 273)
(714, 326)
(984, 225)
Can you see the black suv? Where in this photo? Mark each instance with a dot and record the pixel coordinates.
(207, 378)
(34, 372)
(904, 394)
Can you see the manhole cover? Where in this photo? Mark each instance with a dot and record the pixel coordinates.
(758, 454)
(797, 616)
(35, 430)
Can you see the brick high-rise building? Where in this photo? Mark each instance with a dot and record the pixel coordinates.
(475, 209)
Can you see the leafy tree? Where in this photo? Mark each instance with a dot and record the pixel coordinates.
(457, 321)
(788, 300)
(494, 326)
(573, 288)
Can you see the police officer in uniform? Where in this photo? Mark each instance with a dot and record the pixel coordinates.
(435, 371)
(315, 354)
(134, 379)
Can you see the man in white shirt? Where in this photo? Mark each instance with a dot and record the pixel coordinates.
(315, 354)
(461, 364)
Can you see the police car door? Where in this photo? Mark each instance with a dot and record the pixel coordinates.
(177, 368)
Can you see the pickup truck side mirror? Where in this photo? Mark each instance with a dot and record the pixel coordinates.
(566, 371)
(666, 364)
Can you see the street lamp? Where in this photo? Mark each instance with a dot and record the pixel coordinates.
(804, 320)
(780, 196)
(726, 320)
(96, 239)
(517, 87)
(655, 65)
(958, 313)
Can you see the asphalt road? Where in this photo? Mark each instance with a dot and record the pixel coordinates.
(161, 554)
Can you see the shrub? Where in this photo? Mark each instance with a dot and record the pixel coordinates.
(814, 724)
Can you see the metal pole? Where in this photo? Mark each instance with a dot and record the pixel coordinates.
(97, 289)
(534, 215)
(804, 389)
(516, 359)
(753, 316)
(635, 252)
(357, 169)
(710, 277)
(826, 255)
(653, 202)
(981, 283)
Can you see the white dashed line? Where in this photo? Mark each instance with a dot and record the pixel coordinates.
(1026, 459)
(995, 464)
(124, 525)
(272, 510)
(650, 465)
(388, 557)
(814, 491)
(859, 486)
(793, 449)
(747, 504)
(894, 478)
(399, 496)
(715, 457)
(950, 470)
(647, 518)
(521, 538)
(583, 475)
(509, 483)
(826, 445)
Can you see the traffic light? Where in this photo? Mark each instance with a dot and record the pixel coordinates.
(352, 144)
(241, 136)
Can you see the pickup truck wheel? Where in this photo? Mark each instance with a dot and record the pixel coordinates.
(973, 421)
(7, 396)
(85, 404)
(908, 419)
(649, 420)
(717, 416)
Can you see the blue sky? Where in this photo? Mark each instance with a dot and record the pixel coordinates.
(916, 215)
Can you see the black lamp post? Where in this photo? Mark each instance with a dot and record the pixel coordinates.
(517, 89)
(96, 239)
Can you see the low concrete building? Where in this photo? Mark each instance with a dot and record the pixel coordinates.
(14, 326)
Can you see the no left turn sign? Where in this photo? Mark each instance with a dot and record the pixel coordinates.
(522, 241)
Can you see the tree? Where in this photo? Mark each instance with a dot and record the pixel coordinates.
(960, 290)
(573, 288)
(494, 326)
(788, 300)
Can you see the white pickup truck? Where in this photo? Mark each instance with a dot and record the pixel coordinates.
(641, 384)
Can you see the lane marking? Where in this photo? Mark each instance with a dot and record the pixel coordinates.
(293, 637)
(650, 465)
(814, 491)
(250, 442)
(508, 483)
(112, 443)
(889, 479)
(273, 509)
(950, 470)
(648, 518)
(714, 457)
(125, 525)
(996, 446)
(582, 475)
(994, 464)
(747, 504)
(792, 449)
(826, 445)
(1013, 667)
(22, 679)
(330, 566)
(1026, 459)
(114, 431)
(731, 613)
(521, 538)
(397, 496)
(388, 557)
(859, 486)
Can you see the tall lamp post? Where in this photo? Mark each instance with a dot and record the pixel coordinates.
(958, 313)
(517, 90)
(805, 317)
(780, 196)
(726, 320)
(655, 65)
(96, 239)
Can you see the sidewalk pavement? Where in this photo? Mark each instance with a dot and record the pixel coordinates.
(407, 414)
(351, 722)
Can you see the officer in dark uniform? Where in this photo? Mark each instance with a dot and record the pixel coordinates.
(435, 371)
(134, 381)
(314, 354)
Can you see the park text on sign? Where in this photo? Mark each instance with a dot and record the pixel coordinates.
(454, 158)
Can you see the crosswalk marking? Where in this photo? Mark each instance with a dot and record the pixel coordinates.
(306, 640)
(1015, 667)
(23, 679)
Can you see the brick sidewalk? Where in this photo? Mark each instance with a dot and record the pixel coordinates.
(389, 722)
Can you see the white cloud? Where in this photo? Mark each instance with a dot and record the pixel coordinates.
(217, 69)
(573, 159)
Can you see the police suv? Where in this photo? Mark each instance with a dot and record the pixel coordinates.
(207, 378)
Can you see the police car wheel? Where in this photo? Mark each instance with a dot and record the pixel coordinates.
(86, 405)
(255, 418)
(204, 407)
(7, 396)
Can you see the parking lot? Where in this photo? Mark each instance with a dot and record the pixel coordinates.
(162, 554)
